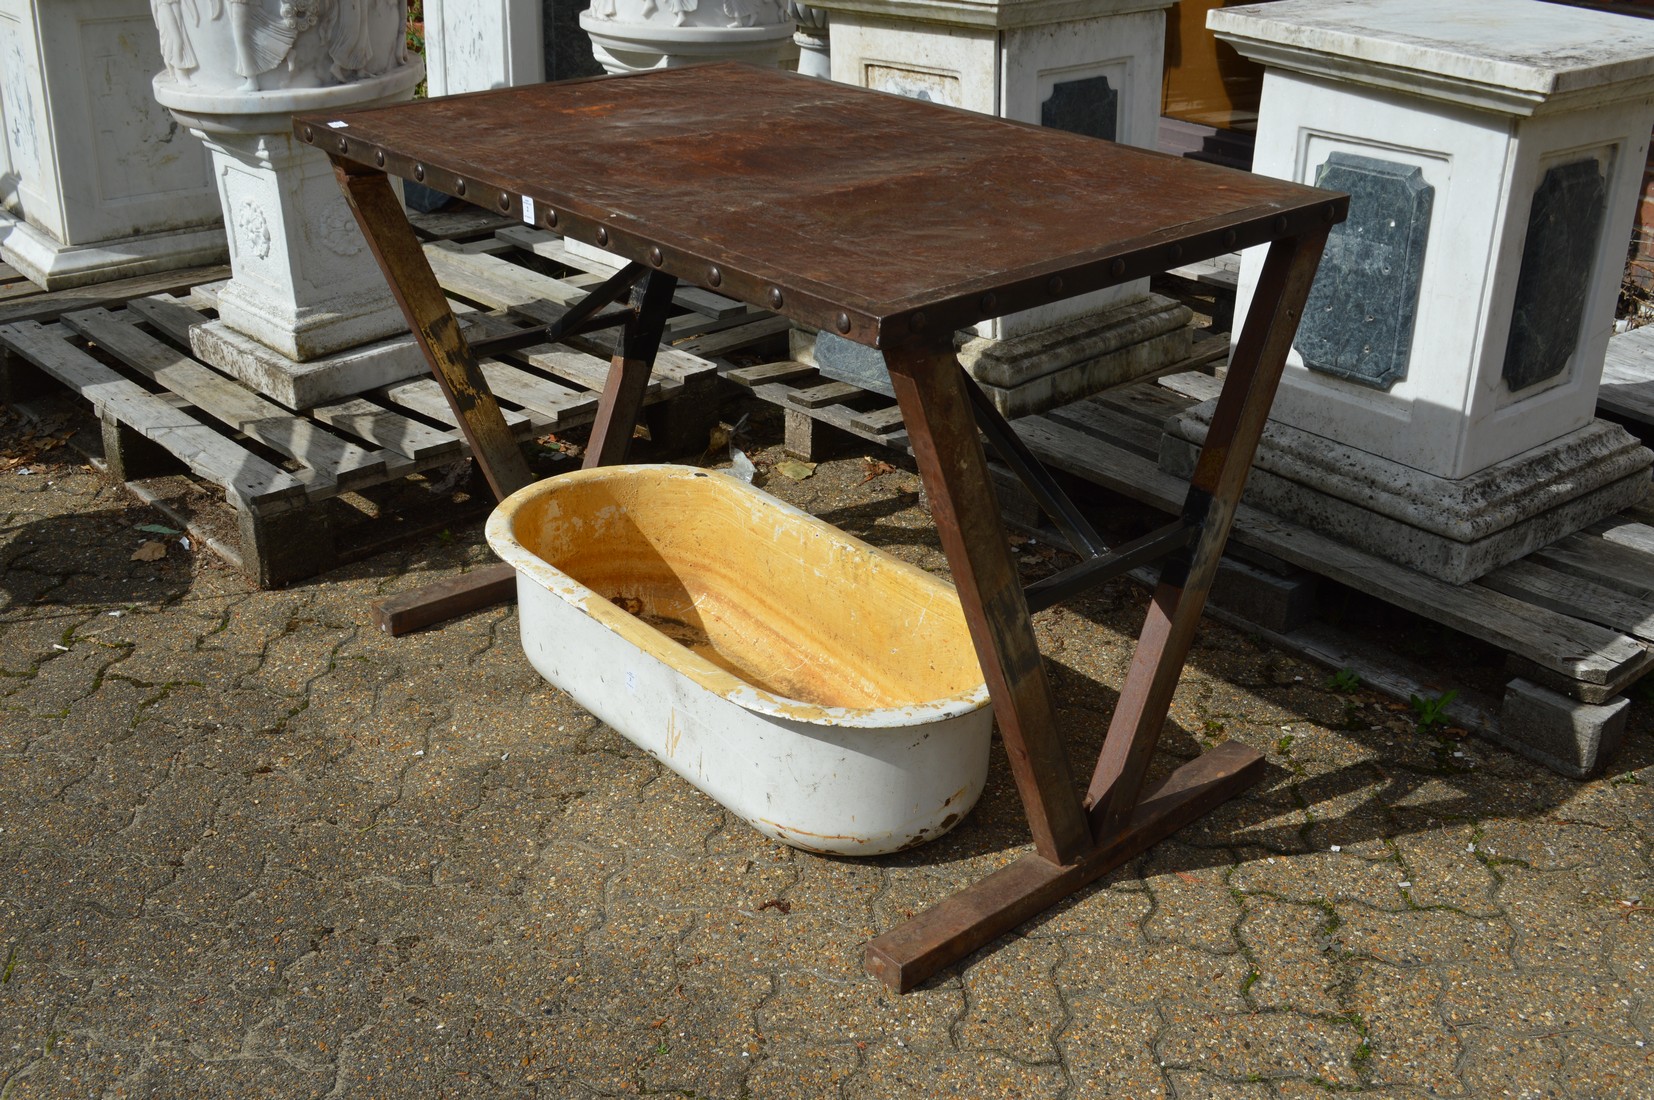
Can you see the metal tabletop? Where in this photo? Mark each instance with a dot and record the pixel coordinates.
(874, 216)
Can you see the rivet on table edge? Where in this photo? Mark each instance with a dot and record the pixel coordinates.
(602, 235)
(505, 200)
(459, 186)
(1280, 224)
(713, 276)
(551, 216)
(1174, 253)
(775, 297)
(379, 157)
(918, 321)
(1229, 238)
(843, 322)
(310, 134)
(344, 145)
(655, 256)
(419, 172)
(1117, 268)
(990, 301)
(1054, 284)
(1331, 213)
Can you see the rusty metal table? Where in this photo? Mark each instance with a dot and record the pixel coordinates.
(892, 223)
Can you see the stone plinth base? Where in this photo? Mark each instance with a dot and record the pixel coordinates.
(47, 261)
(1054, 366)
(1455, 530)
(1028, 374)
(301, 385)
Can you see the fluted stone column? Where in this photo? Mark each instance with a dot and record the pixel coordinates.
(307, 316)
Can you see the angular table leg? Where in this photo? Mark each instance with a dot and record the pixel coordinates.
(629, 370)
(416, 290)
(930, 388)
(1214, 493)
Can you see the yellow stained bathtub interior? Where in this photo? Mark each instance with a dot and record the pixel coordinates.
(785, 603)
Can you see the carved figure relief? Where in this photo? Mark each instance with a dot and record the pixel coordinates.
(362, 38)
(175, 43)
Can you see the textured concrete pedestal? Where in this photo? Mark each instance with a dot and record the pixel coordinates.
(1091, 68)
(97, 181)
(1453, 341)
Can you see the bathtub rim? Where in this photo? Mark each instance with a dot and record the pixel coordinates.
(501, 535)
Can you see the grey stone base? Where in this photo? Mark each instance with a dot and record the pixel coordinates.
(1028, 374)
(1455, 530)
(50, 263)
(1573, 738)
(300, 385)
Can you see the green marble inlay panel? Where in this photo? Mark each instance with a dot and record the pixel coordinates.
(1086, 106)
(1564, 225)
(1358, 322)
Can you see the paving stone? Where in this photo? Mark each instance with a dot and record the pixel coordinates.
(1147, 974)
(1294, 963)
(1422, 937)
(1557, 920)
(1194, 1085)
(1408, 1042)
(1263, 1045)
(1499, 1065)
(1110, 1048)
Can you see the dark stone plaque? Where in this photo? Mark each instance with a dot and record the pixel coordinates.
(1564, 224)
(846, 361)
(1358, 322)
(1086, 106)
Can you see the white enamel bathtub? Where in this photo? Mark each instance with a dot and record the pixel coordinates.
(819, 688)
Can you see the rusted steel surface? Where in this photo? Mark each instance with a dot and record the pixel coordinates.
(930, 388)
(876, 217)
(1214, 492)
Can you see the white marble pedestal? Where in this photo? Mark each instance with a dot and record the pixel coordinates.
(630, 36)
(1453, 343)
(306, 316)
(1092, 68)
(97, 181)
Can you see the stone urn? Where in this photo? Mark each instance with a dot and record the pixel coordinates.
(305, 287)
(631, 36)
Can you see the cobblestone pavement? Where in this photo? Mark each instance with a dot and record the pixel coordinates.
(251, 848)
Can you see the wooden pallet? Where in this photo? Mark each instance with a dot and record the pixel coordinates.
(162, 409)
(1575, 618)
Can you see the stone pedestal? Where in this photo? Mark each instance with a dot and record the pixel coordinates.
(307, 316)
(97, 181)
(473, 45)
(1454, 339)
(630, 36)
(814, 53)
(1091, 68)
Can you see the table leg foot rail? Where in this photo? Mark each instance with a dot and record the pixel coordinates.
(947, 932)
(482, 587)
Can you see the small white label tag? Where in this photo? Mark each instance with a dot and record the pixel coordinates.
(631, 682)
(528, 210)
(338, 125)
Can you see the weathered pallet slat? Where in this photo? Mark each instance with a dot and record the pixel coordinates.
(51, 305)
(333, 462)
(250, 481)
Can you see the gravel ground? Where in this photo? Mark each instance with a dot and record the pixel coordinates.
(251, 848)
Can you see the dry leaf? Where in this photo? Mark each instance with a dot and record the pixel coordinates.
(150, 551)
(875, 467)
(798, 471)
